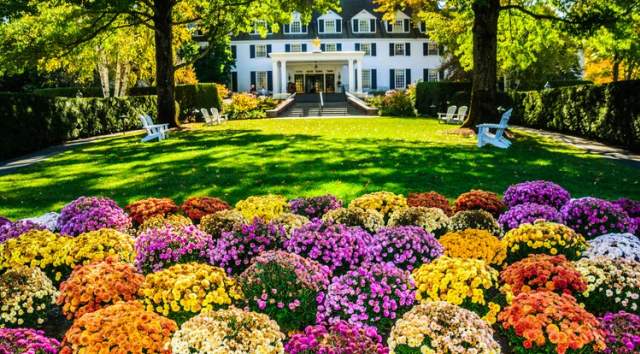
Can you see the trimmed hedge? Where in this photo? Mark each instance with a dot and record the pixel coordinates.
(190, 97)
(608, 113)
(441, 94)
(31, 122)
(69, 92)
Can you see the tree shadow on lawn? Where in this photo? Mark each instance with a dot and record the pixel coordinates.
(234, 164)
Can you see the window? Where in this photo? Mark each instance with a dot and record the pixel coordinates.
(398, 48)
(366, 79)
(434, 75)
(366, 48)
(296, 47)
(296, 27)
(330, 26)
(259, 25)
(432, 48)
(262, 81)
(261, 51)
(330, 47)
(363, 26)
(398, 26)
(400, 79)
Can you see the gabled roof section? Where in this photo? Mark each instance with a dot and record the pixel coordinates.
(364, 14)
(329, 15)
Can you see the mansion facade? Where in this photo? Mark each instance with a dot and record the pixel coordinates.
(351, 51)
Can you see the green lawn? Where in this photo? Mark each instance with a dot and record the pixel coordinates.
(346, 157)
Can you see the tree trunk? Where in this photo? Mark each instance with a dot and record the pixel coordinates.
(485, 63)
(116, 81)
(615, 72)
(103, 73)
(165, 80)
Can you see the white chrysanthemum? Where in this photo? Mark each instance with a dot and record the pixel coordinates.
(615, 246)
(48, 220)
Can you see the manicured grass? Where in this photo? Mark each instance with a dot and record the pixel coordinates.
(346, 157)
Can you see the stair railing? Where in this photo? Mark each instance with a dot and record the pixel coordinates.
(321, 100)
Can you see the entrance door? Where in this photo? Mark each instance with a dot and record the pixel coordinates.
(299, 80)
(330, 83)
(314, 83)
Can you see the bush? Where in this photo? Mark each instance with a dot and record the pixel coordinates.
(440, 94)
(198, 207)
(538, 192)
(384, 202)
(622, 332)
(314, 207)
(394, 103)
(190, 97)
(70, 92)
(32, 122)
(265, 207)
(248, 106)
(225, 220)
(609, 113)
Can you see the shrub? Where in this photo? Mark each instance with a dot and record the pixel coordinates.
(143, 209)
(622, 332)
(615, 246)
(407, 247)
(545, 322)
(98, 245)
(124, 328)
(479, 199)
(458, 331)
(92, 213)
(339, 338)
(265, 207)
(248, 106)
(290, 222)
(12, 230)
(225, 220)
(285, 286)
(541, 272)
(157, 249)
(97, 285)
(228, 331)
(430, 200)
(383, 293)
(469, 283)
(538, 192)
(368, 219)
(184, 290)
(543, 238)
(235, 250)
(594, 217)
(197, 207)
(397, 103)
(612, 285)
(27, 295)
(528, 213)
(25, 340)
(475, 219)
(314, 207)
(160, 221)
(383, 202)
(475, 244)
(189, 97)
(432, 220)
(438, 94)
(339, 247)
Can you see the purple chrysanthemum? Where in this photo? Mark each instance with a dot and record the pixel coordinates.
(538, 192)
(407, 247)
(527, 213)
(593, 217)
(4, 221)
(314, 207)
(26, 341)
(92, 213)
(339, 338)
(337, 246)
(622, 332)
(13, 230)
(631, 207)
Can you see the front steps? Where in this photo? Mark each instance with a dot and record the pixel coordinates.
(330, 109)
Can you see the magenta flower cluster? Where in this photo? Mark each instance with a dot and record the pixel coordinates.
(339, 338)
(13, 230)
(26, 341)
(538, 192)
(314, 207)
(407, 247)
(622, 332)
(528, 213)
(159, 248)
(339, 247)
(372, 295)
(4, 221)
(92, 213)
(631, 207)
(593, 217)
(235, 250)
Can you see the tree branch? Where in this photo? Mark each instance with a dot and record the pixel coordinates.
(538, 16)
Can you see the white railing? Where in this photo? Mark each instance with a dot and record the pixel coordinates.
(321, 100)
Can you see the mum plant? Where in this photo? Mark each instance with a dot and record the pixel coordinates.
(372, 295)
(631, 207)
(197, 207)
(98, 245)
(622, 332)
(123, 328)
(228, 331)
(469, 283)
(383, 202)
(430, 200)
(219, 222)
(476, 244)
(475, 219)
(265, 207)
(538, 192)
(545, 322)
(12, 230)
(479, 200)
(612, 285)
(97, 285)
(285, 286)
(143, 209)
(4, 221)
(528, 213)
(290, 222)
(593, 217)
(368, 219)
(92, 213)
(48, 220)
(541, 272)
(433, 220)
(314, 207)
(543, 237)
(160, 221)
(339, 338)
(441, 327)
(614, 246)
(407, 247)
(184, 290)
(26, 297)
(25, 340)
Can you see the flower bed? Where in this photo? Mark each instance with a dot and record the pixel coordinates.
(92, 213)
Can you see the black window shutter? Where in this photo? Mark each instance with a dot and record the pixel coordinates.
(321, 26)
(339, 47)
(374, 79)
(304, 28)
(441, 74)
(373, 49)
(304, 47)
(407, 49)
(357, 47)
(372, 25)
(286, 28)
(322, 47)
(392, 79)
(339, 26)
(391, 50)
(234, 81)
(406, 25)
(423, 26)
(268, 48)
(440, 49)
(287, 48)
(253, 78)
(234, 52)
(389, 27)
(355, 25)
(408, 78)
(252, 51)
(270, 80)
(425, 49)
(425, 75)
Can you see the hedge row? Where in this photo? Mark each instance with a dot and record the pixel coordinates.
(190, 97)
(31, 122)
(608, 113)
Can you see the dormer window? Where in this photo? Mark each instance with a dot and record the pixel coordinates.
(401, 24)
(330, 23)
(295, 26)
(259, 25)
(364, 22)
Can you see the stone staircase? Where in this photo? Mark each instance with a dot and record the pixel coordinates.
(335, 105)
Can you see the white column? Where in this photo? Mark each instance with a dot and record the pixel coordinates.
(274, 75)
(359, 66)
(283, 74)
(351, 76)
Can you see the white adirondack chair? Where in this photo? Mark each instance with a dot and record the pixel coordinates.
(444, 117)
(220, 118)
(154, 131)
(207, 117)
(485, 136)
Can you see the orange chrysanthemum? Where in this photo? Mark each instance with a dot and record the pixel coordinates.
(143, 209)
(197, 207)
(430, 200)
(541, 272)
(479, 199)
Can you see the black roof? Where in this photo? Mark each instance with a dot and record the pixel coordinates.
(350, 8)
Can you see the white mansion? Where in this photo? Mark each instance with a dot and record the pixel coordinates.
(355, 51)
